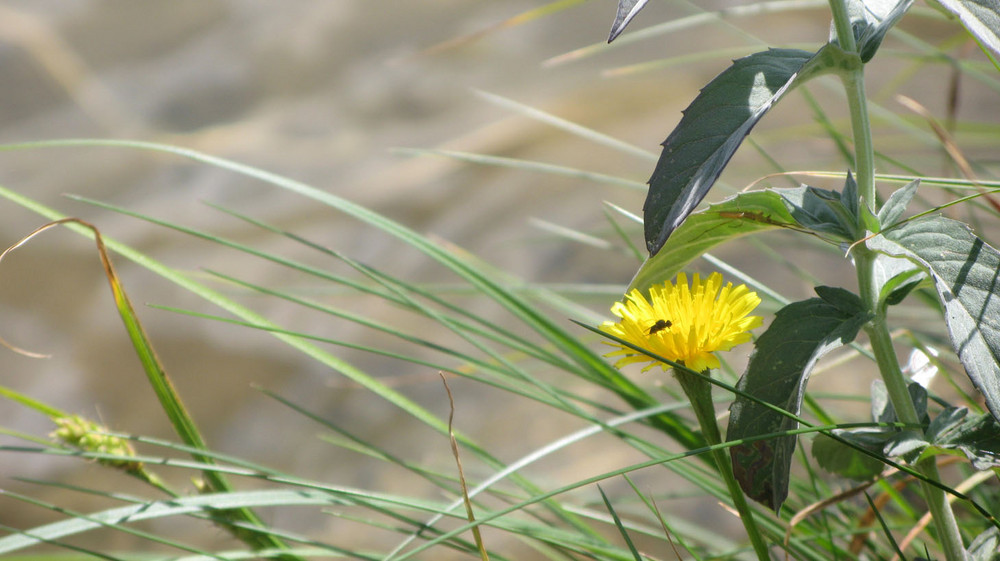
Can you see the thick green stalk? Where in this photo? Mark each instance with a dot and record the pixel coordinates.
(944, 518)
(699, 393)
(878, 331)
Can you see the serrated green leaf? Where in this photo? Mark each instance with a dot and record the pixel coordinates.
(966, 275)
(978, 437)
(953, 432)
(836, 457)
(894, 207)
(739, 215)
(713, 127)
(981, 18)
(779, 368)
(844, 300)
(152, 510)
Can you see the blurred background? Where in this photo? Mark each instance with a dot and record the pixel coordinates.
(329, 93)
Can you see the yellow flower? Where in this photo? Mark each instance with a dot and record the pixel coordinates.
(683, 323)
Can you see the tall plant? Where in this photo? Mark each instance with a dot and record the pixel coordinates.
(677, 325)
(892, 257)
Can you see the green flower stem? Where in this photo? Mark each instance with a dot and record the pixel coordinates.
(878, 332)
(699, 393)
(842, 23)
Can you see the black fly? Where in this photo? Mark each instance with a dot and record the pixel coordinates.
(660, 325)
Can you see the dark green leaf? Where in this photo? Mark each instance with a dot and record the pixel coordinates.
(981, 18)
(870, 20)
(820, 210)
(837, 457)
(739, 215)
(907, 445)
(850, 196)
(896, 278)
(946, 423)
(978, 437)
(880, 22)
(844, 300)
(779, 368)
(627, 9)
(966, 275)
(953, 432)
(893, 208)
(713, 127)
(882, 410)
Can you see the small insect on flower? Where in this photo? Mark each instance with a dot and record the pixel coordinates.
(705, 317)
(659, 326)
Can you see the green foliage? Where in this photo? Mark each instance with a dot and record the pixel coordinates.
(954, 431)
(779, 368)
(737, 216)
(849, 461)
(963, 267)
(981, 18)
(964, 270)
(713, 127)
(870, 20)
(986, 546)
(534, 356)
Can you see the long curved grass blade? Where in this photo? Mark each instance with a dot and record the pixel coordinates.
(27, 538)
(200, 504)
(169, 399)
(469, 512)
(520, 19)
(525, 165)
(544, 327)
(585, 133)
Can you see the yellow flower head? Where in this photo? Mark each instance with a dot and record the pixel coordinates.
(684, 323)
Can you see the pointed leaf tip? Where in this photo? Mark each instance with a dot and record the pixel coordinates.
(713, 127)
(627, 9)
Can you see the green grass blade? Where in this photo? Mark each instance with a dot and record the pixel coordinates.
(619, 525)
(525, 165)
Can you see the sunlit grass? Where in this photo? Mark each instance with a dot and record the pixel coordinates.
(529, 355)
